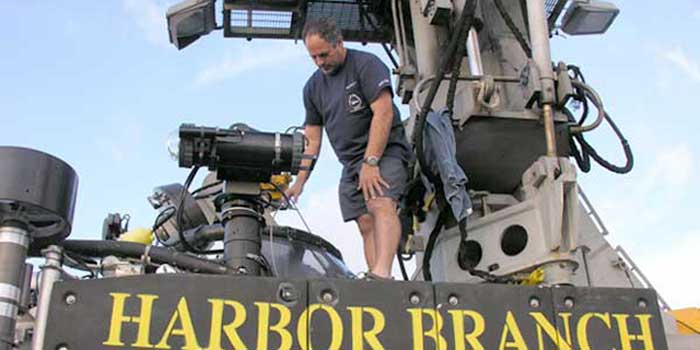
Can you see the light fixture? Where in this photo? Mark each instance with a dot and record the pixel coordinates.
(189, 20)
(588, 17)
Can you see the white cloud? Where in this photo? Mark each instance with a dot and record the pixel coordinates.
(682, 61)
(149, 16)
(670, 267)
(247, 59)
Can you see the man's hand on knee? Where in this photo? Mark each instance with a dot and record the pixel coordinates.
(371, 182)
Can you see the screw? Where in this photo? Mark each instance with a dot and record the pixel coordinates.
(327, 297)
(70, 300)
(534, 302)
(453, 300)
(569, 302)
(62, 347)
(287, 294)
(642, 303)
(414, 299)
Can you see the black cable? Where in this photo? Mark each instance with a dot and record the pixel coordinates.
(465, 22)
(402, 267)
(513, 28)
(159, 221)
(180, 212)
(206, 187)
(159, 255)
(439, 224)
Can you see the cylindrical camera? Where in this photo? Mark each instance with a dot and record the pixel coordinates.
(240, 153)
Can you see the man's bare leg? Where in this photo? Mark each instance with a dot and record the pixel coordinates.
(366, 225)
(387, 233)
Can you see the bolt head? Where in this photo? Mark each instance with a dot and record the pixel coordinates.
(327, 297)
(534, 302)
(642, 303)
(453, 300)
(71, 299)
(569, 302)
(414, 299)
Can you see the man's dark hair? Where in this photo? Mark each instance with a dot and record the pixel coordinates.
(325, 28)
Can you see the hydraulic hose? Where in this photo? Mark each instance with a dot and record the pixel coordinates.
(597, 101)
(465, 22)
(158, 255)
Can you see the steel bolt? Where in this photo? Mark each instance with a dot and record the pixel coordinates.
(70, 300)
(453, 300)
(287, 294)
(414, 299)
(327, 297)
(62, 347)
(569, 302)
(642, 303)
(534, 302)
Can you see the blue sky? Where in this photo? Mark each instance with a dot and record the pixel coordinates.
(97, 84)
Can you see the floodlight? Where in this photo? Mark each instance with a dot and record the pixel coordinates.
(189, 20)
(588, 17)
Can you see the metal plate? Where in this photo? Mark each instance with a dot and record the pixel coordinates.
(494, 316)
(181, 311)
(105, 313)
(371, 314)
(610, 318)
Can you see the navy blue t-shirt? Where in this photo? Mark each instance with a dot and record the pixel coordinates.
(341, 104)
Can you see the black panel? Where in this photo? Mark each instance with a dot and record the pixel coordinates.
(86, 323)
(607, 309)
(504, 312)
(400, 304)
(495, 152)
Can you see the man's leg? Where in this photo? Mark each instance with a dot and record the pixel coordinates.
(366, 226)
(386, 234)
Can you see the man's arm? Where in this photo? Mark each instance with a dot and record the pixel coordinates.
(314, 135)
(371, 181)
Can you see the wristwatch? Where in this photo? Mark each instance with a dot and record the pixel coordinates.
(372, 161)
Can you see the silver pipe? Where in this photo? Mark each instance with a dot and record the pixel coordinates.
(50, 273)
(541, 54)
(398, 29)
(474, 53)
(426, 42)
(14, 242)
(597, 101)
(403, 30)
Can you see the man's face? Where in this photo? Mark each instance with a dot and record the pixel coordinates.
(327, 57)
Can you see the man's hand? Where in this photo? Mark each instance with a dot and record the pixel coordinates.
(371, 182)
(294, 192)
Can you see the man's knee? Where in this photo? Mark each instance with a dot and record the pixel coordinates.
(381, 206)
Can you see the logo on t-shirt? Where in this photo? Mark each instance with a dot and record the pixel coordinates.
(354, 102)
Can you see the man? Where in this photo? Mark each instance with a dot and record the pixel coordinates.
(350, 96)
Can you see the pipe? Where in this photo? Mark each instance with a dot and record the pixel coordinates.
(425, 38)
(597, 101)
(50, 273)
(158, 255)
(541, 54)
(474, 53)
(242, 242)
(398, 33)
(549, 132)
(14, 242)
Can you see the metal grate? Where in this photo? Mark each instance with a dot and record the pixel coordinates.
(272, 23)
(355, 18)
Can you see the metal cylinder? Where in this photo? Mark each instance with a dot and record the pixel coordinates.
(426, 42)
(50, 273)
(549, 132)
(541, 54)
(474, 53)
(14, 242)
(242, 224)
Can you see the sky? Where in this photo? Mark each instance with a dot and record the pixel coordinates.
(97, 84)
